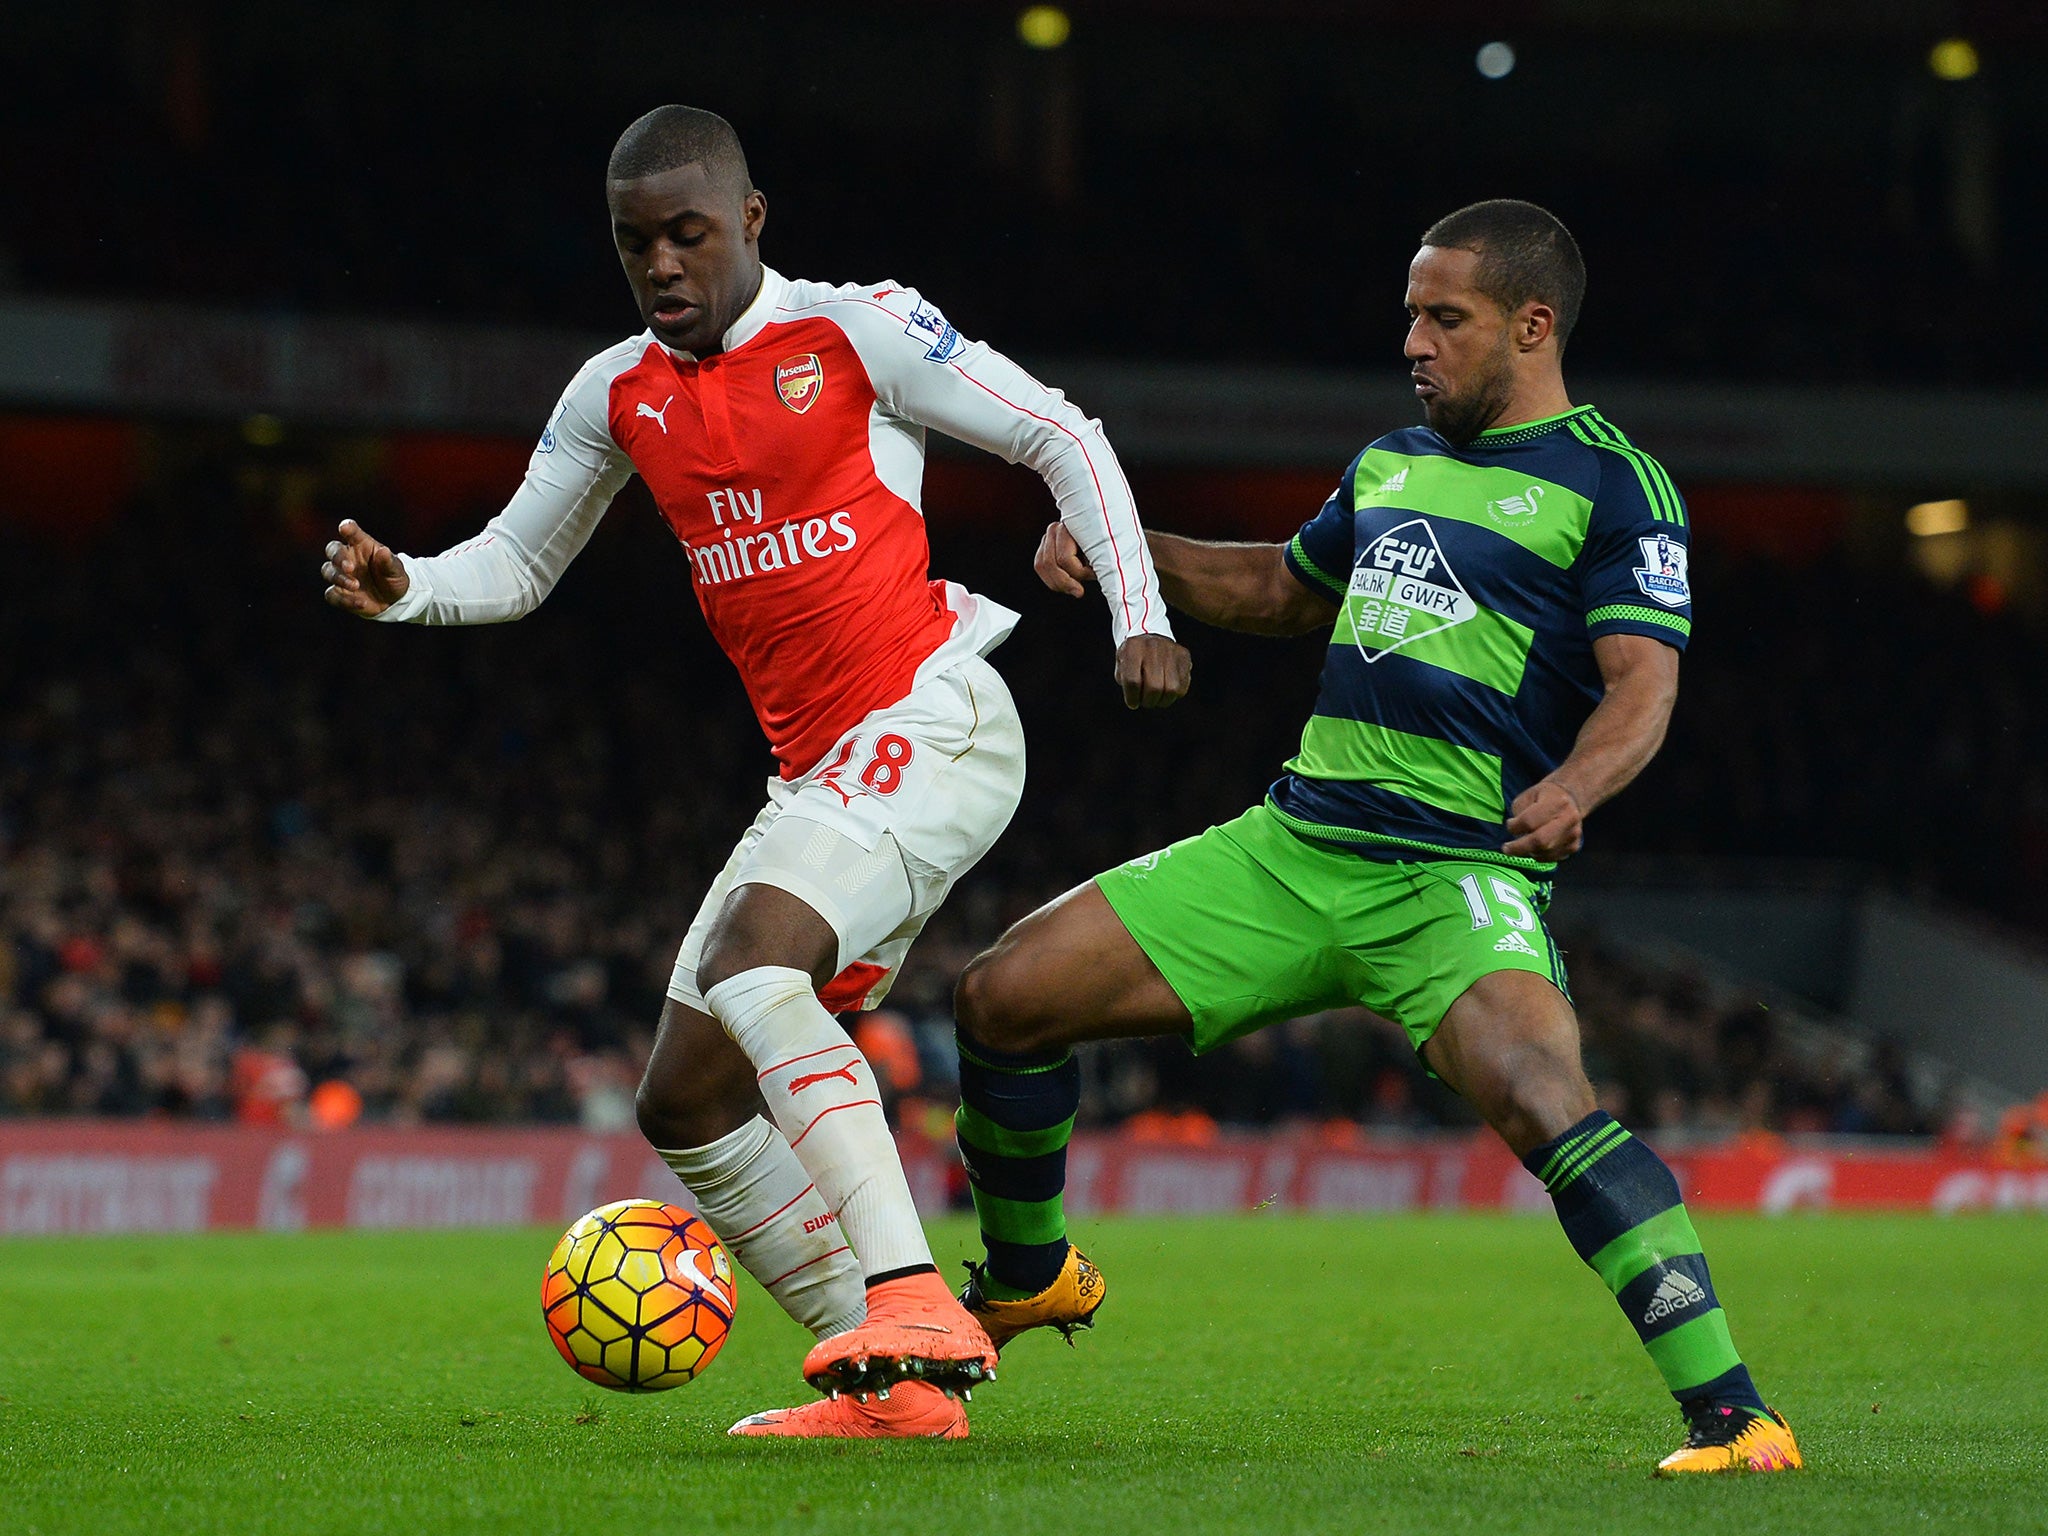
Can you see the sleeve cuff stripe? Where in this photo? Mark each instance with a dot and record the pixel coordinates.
(1629, 613)
(1307, 567)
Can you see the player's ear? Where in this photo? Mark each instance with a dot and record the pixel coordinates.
(753, 215)
(1534, 324)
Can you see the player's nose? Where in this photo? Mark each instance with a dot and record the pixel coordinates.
(664, 264)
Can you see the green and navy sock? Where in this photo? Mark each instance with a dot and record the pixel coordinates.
(1621, 1208)
(1016, 1113)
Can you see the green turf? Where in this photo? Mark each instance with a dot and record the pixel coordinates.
(1268, 1373)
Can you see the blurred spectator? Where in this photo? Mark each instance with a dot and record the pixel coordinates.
(249, 846)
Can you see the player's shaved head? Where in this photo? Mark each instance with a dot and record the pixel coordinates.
(1525, 255)
(669, 137)
(687, 219)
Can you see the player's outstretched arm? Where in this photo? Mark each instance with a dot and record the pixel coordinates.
(1547, 820)
(1233, 586)
(1153, 670)
(363, 576)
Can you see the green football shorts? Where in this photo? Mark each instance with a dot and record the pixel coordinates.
(1251, 924)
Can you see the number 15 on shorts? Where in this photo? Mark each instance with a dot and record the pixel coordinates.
(1507, 904)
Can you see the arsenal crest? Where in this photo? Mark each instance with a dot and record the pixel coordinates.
(799, 381)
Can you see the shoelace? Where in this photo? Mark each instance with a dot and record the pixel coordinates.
(1710, 1425)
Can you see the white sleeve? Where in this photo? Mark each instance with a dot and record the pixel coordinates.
(505, 571)
(926, 372)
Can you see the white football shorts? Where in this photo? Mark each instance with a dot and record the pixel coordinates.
(875, 835)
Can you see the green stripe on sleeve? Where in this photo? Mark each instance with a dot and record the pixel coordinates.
(1665, 1235)
(1595, 430)
(1436, 773)
(1300, 553)
(1672, 500)
(1638, 615)
(977, 1130)
(1694, 1353)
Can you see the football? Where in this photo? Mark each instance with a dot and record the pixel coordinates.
(638, 1296)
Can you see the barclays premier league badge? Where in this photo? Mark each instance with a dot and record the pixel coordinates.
(1662, 573)
(1403, 589)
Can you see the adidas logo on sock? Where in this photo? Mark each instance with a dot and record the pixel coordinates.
(1512, 943)
(1675, 1293)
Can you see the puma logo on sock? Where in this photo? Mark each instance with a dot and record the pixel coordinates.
(798, 1085)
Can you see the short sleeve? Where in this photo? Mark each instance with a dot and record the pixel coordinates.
(1633, 570)
(1320, 556)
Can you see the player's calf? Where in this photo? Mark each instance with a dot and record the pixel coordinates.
(1510, 1044)
(698, 1085)
(697, 1108)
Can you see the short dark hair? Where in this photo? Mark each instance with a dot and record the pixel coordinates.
(671, 136)
(1525, 253)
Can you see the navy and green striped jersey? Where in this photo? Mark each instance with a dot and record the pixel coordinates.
(1473, 581)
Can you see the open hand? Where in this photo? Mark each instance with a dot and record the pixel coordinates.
(1546, 823)
(363, 576)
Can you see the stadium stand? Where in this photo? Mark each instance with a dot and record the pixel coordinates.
(264, 862)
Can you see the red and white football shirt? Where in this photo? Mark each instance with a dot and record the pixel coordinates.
(791, 465)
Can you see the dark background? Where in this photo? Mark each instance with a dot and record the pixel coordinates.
(248, 846)
(1772, 192)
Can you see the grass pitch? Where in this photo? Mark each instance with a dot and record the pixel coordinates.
(1263, 1373)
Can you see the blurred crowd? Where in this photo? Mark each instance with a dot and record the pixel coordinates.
(262, 862)
(352, 159)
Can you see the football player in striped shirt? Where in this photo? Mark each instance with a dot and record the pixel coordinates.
(1507, 597)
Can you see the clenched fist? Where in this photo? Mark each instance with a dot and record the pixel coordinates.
(1152, 670)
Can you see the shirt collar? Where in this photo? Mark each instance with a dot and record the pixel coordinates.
(753, 319)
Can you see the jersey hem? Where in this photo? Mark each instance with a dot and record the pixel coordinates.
(1330, 834)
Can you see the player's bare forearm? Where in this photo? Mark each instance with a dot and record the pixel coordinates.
(1619, 738)
(1236, 586)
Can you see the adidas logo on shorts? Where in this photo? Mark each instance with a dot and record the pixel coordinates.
(1512, 943)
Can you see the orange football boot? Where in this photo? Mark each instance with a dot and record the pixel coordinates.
(1735, 1440)
(915, 1331)
(912, 1410)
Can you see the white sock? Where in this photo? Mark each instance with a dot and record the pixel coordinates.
(766, 1210)
(823, 1095)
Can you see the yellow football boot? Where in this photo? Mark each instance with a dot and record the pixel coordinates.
(1733, 1440)
(1070, 1302)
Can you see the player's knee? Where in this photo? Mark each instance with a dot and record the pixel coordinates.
(989, 1007)
(677, 1108)
(1541, 1094)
